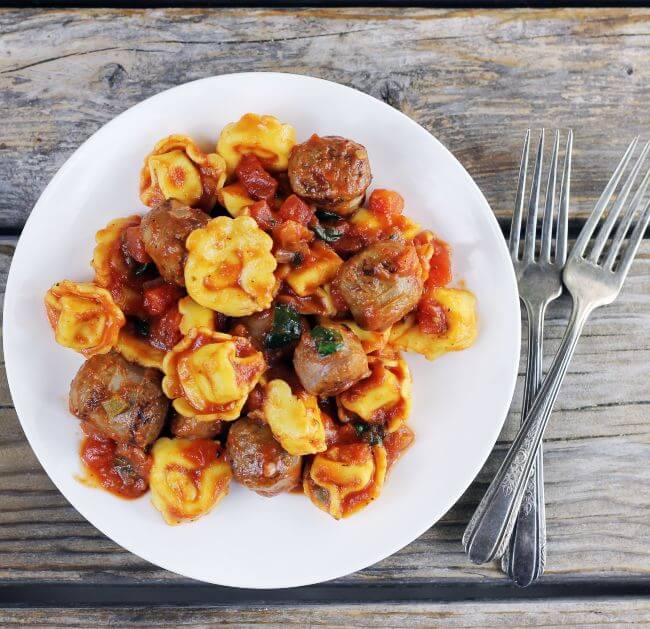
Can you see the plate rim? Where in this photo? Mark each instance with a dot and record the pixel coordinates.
(71, 162)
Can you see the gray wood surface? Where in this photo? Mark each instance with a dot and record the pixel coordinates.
(477, 80)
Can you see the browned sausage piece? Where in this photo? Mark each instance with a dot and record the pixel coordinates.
(122, 400)
(165, 229)
(193, 428)
(381, 284)
(258, 461)
(331, 172)
(332, 373)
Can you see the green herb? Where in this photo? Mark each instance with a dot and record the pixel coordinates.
(287, 327)
(327, 340)
(328, 234)
(114, 406)
(141, 269)
(373, 435)
(141, 327)
(324, 215)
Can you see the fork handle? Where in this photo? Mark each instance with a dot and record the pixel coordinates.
(525, 557)
(488, 532)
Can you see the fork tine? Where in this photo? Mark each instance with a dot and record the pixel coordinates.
(515, 224)
(562, 230)
(608, 224)
(549, 206)
(633, 244)
(626, 221)
(533, 204)
(594, 217)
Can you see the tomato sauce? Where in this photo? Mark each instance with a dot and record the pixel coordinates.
(121, 470)
(396, 443)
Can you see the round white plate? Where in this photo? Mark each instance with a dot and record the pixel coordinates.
(460, 400)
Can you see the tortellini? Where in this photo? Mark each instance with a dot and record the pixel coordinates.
(265, 136)
(195, 315)
(294, 418)
(111, 270)
(345, 478)
(84, 317)
(235, 199)
(230, 267)
(460, 309)
(178, 169)
(209, 375)
(318, 269)
(188, 478)
(138, 350)
(384, 397)
(370, 341)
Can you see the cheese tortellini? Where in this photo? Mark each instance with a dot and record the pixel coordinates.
(235, 199)
(384, 397)
(371, 341)
(188, 478)
(460, 309)
(84, 317)
(265, 136)
(209, 375)
(294, 418)
(178, 169)
(230, 267)
(194, 316)
(317, 270)
(137, 350)
(345, 478)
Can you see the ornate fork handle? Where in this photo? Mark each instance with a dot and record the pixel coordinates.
(488, 532)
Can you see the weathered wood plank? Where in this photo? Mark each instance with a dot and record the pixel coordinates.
(556, 613)
(475, 78)
(597, 478)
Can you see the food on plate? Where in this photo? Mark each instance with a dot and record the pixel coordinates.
(188, 477)
(230, 267)
(178, 169)
(163, 232)
(258, 461)
(123, 401)
(248, 323)
(209, 375)
(84, 317)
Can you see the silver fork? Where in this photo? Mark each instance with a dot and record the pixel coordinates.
(539, 277)
(594, 277)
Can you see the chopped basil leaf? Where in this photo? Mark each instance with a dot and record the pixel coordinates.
(328, 234)
(287, 327)
(141, 327)
(324, 215)
(373, 435)
(141, 269)
(327, 340)
(114, 406)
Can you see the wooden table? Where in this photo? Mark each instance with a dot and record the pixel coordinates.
(476, 79)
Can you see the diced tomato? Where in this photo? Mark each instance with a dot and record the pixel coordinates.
(386, 202)
(262, 213)
(290, 234)
(258, 183)
(432, 318)
(293, 208)
(165, 331)
(160, 296)
(440, 265)
(133, 245)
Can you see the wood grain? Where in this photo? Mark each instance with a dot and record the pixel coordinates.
(475, 78)
(480, 615)
(597, 479)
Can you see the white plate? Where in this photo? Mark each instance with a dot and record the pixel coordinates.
(461, 400)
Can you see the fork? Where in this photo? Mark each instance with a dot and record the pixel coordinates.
(540, 282)
(594, 277)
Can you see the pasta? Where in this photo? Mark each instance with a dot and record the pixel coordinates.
(264, 136)
(257, 312)
(178, 169)
(188, 478)
(229, 266)
(346, 478)
(84, 317)
(209, 375)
